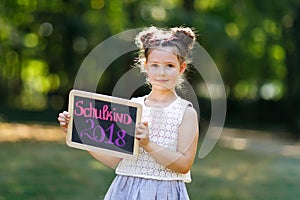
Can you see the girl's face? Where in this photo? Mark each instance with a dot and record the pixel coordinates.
(163, 69)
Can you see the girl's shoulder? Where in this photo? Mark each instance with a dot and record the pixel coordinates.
(139, 100)
(187, 107)
(185, 103)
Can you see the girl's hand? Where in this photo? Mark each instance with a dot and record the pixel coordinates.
(142, 133)
(63, 119)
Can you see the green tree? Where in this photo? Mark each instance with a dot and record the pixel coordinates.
(255, 45)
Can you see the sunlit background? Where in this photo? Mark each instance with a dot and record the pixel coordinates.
(254, 44)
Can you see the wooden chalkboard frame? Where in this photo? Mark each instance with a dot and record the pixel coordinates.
(112, 101)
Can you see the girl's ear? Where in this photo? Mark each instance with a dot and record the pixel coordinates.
(182, 67)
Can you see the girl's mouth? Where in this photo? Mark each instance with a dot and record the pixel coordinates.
(161, 80)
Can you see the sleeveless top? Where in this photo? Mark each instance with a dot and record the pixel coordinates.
(163, 126)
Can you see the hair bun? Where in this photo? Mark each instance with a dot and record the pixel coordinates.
(143, 38)
(186, 34)
(182, 38)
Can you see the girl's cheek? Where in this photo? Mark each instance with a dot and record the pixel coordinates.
(172, 72)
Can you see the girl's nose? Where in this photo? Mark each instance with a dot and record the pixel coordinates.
(161, 70)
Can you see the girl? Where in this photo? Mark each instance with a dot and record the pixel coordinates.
(168, 133)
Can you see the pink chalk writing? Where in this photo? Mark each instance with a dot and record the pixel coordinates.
(98, 134)
(101, 113)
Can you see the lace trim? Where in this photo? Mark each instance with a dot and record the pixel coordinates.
(163, 127)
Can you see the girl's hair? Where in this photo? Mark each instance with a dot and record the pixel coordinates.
(180, 39)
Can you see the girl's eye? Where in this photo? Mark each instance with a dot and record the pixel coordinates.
(170, 66)
(154, 65)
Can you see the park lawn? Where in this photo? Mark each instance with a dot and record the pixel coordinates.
(51, 170)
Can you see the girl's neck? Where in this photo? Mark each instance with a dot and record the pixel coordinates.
(161, 98)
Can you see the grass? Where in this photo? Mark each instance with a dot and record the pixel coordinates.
(51, 170)
(229, 174)
(31, 170)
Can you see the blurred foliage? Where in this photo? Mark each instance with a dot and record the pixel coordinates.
(254, 43)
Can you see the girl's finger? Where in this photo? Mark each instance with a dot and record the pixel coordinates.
(141, 136)
(142, 126)
(63, 120)
(62, 116)
(66, 114)
(63, 123)
(141, 130)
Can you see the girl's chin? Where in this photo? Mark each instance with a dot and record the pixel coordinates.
(162, 87)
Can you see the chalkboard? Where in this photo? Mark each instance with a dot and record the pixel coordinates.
(102, 123)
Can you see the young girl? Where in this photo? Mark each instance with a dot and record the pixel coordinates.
(168, 133)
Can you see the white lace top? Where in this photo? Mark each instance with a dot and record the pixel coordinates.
(163, 126)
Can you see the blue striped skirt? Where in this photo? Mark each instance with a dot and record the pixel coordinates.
(134, 188)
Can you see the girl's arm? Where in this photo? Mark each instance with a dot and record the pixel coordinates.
(182, 159)
(109, 161)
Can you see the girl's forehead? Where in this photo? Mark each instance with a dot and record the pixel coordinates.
(162, 55)
(163, 51)
(171, 49)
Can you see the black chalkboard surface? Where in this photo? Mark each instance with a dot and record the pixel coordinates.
(102, 123)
